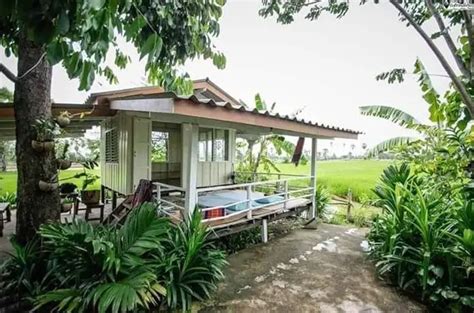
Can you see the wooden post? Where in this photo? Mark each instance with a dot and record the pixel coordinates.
(249, 202)
(314, 152)
(349, 205)
(264, 230)
(114, 200)
(189, 166)
(102, 193)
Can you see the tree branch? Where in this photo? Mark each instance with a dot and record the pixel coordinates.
(457, 83)
(8, 73)
(470, 33)
(447, 38)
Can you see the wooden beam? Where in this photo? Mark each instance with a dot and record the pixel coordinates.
(189, 165)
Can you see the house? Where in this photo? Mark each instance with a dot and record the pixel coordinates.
(196, 137)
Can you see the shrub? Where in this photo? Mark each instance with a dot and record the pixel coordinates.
(84, 268)
(423, 242)
(322, 197)
(9, 197)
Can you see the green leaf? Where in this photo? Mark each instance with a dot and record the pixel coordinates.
(63, 23)
(149, 45)
(390, 113)
(96, 4)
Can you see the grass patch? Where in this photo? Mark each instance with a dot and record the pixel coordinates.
(8, 179)
(361, 215)
(338, 176)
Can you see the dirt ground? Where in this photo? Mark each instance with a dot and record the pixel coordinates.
(321, 270)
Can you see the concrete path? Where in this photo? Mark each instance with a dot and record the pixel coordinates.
(321, 270)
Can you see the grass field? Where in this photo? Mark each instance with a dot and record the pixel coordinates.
(359, 175)
(8, 179)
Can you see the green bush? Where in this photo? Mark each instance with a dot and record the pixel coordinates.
(135, 267)
(424, 240)
(322, 197)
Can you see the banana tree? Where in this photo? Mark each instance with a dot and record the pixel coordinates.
(252, 162)
(448, 116)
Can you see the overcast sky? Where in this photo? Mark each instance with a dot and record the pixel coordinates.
(328, 66)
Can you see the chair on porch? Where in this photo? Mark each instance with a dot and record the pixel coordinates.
(143, 193)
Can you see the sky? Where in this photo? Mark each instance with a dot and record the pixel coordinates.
(327, 67)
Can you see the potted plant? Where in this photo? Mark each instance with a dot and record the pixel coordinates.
(63, 119)
(47, 186)
(45, 132)
(67, 188)
(89, 195)
(66, 205)
(62, 160)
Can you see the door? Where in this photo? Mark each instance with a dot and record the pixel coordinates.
(141, 150)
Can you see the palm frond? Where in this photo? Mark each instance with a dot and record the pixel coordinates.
(395, 115)
(389, 145)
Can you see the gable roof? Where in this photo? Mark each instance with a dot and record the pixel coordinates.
(212, 103)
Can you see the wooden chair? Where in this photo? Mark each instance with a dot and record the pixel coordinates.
(143, 193)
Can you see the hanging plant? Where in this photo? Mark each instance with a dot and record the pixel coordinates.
(66, 205)
(46, 130)
(62, 159)
(64, 119)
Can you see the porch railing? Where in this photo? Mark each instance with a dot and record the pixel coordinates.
(292, 187)
(289, 188)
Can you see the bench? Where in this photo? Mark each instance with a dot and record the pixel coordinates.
(5, 215)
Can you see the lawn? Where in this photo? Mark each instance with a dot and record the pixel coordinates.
(359, 175)
(8, 179)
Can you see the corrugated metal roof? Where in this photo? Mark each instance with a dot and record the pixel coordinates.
(144, 92)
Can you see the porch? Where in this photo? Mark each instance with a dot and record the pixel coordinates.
(232, 208)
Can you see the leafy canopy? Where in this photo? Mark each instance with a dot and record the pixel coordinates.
(79, 34)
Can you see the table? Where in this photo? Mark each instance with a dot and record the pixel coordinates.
(88, 208)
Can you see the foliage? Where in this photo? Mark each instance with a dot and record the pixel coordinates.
(83, 268)
(9, 197)
(87, 175)
(241, 240)
(5, 95)
(192, 266)
(81, 34)
(419, 243)
(251, 163)
(46, 129)
(322, 197)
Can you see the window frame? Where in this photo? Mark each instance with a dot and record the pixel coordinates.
(208, 141)
(111, 146)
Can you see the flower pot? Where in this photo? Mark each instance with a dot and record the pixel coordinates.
(90, 196)
(42, 146)
(47, 187)
(66, 207)
(63, 121)
(64, 164)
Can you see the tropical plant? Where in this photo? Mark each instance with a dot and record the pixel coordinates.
(420, 244)
(192, 266)
(252, 162)
(9, 197)
(322, 198)
(136, 267)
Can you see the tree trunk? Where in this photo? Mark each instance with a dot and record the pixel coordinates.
(32, 101)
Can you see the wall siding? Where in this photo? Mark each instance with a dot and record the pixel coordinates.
(118, 176)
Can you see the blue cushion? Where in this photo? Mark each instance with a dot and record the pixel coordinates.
(270, 199)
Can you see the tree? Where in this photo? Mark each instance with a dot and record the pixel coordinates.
(79, 35)
(415, 14)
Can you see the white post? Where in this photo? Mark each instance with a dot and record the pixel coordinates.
(264, 230)
(314, 152)
(285, 204)
(189, 165)
(158, 193)
(249, 202)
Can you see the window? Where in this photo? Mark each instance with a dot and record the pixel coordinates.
(213, 145)
(111, 146)
(159, 146)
